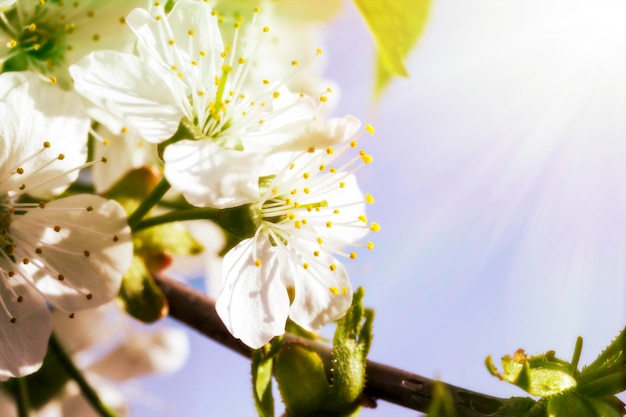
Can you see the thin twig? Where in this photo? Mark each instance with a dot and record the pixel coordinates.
(383, 382)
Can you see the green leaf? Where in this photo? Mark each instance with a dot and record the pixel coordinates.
(607, 374)
(396, 26)
(301, 379)
(351, 344)
(442, 404)
(262, 384)
(139, 294)
(572, 404)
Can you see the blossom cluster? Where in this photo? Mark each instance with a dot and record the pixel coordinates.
(227, 107)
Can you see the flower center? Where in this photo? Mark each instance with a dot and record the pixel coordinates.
(40, 44)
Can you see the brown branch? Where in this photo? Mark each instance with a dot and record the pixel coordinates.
(383, 382)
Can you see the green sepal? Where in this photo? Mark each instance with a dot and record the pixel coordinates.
(542, 375)
(607, 374)
(187, 129)
(302, 380)
(262, 366)
(442, 404)
(351, 344)
(295, 329)
(242, 221)
(140, 296)
(396, 26)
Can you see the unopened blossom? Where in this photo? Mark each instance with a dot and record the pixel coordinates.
(186, 81)
(70, 252)
(47, 36)
(309, 211)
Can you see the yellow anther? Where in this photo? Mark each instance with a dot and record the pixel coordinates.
(336, 211)
(305, 265)
(319, 240)
(276, 94)
(363, 218)
(369, 128)
(32, 27)
(370, 245)
(266, 29)
(330, 150)
(194, 63)
(12, 43)
(124, 130)
(375, 227)
(344, 290)
(191, 32)
(329, 90)
(53, 80)
(275, 191)
(294, 63)
(334, 290)
(369, 198)
(298, 224)
(306, 175)
(266, 82)
(329, 224)
(323, 99)
(242, 60)
(353, 143)
(214, 13)
(333, 267)
(256, 10)
(158, 17)
(342, 184)
(292, 166)
(171, 42)
(333, 170)
(322, 167)
(318, 51)
(367, 159)
(237, 25)
(352, 255)
(316, 253)
(258, 263)
(202, 53)
(306, 191)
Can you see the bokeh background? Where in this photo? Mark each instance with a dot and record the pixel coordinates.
(499, 180)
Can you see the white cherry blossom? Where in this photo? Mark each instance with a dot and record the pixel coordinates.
(308, 212)
(185, 72)
(70, 252)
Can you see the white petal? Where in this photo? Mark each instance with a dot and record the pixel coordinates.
(253, 303)
(54, 116)
(25, 342)
(321, 294)
(161, 351)
(128, 88)
(209, 176)
(92, 249)
(321, 134)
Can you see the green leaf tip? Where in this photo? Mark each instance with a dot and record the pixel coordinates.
(396, 26)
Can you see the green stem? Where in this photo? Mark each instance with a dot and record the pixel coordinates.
(88, 392)
(155, 196)
(21, 397)
(176, 216)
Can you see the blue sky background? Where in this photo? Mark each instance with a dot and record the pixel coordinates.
(500, 187)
